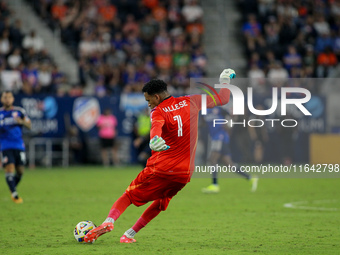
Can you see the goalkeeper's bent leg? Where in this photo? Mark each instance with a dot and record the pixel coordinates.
(150, 213)
(118, 208)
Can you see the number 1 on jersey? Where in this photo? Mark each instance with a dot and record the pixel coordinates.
(180, 124)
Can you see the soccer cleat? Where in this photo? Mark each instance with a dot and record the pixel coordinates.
(254, 180)
(125, 239)
(17, 200)
(92, 236)
(212, 188)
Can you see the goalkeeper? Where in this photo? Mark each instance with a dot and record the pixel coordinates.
(173, 144)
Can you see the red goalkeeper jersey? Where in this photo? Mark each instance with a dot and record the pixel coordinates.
(176, 121)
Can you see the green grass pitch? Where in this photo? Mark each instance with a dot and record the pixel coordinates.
(235, 221)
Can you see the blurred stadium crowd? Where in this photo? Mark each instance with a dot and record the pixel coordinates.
(25, 65)
(287, 38)
(122, 44)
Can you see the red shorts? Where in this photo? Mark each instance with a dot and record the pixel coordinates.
(149, 186)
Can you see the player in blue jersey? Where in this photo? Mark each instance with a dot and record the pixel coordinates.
(12, 119)
(220, 148)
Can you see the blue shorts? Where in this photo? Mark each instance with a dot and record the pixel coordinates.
(13, 156)
(220, 147)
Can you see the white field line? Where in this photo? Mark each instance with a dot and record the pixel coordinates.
(303, 205)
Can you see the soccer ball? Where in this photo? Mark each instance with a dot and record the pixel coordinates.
(82, 229)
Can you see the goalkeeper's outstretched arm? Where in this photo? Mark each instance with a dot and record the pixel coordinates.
(225, 77)
(224, 93)
(223, 96)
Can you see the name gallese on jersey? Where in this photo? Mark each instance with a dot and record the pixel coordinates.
(175, 107)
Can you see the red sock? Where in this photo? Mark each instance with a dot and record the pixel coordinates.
(141, 223)
(119, 207)
(151, 212)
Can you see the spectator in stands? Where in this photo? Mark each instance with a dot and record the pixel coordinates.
(159, 12)
(199, 59)
(117, 42)
(103, 44)
(194, 71)
(130, 26)
(257, 79)
(59, 10)
(150, 4)
(181, 58)
(10, 80)
(252, 29)
(335, 8)
(31, 74)
(45, 78)
(33, 41)
(181, 80)
(288, 31)
(174, 12)
(5, 45)
(106, 10)
(272, 30)
(292, 58)
(15, 59)
(132, 44)
(309, 58)
(300, 43)
(162, 44)
(116, 57)
(129, 77)
(114, 87)
(87, 46)
(149, 65)
(323, 41)
(287, 10)
(265, 6)
(148, 30)
(269, 61)
(15, 34)
(277, 74)
(26, 88)
(255, 60)
(4, 9)
(308, 29)
(326, 62)
(100, 90)
(321, 26)
(58, 78)
(192, 11)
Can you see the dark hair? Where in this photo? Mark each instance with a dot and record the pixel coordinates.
(155, 86)
(5, 92)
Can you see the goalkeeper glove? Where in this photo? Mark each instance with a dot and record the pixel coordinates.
(158, 144)
(227, 75)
